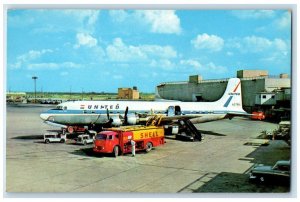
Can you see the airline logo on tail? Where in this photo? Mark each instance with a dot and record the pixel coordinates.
(234, 93)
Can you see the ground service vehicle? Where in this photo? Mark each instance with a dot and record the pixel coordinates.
(280, 172)
(117, 140)
(54, 137)
(84, 139)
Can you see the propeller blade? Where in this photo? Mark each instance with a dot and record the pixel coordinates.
(125, 116)
(107, 113)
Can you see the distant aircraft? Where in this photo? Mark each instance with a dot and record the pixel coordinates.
(90, 114)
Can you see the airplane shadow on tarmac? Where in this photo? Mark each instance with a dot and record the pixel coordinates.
(206, 132)
(29, 137)
(186, 139)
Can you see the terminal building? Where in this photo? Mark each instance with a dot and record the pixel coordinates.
(128, 93)
(260, 91)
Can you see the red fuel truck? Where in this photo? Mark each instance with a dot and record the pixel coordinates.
(117, 140)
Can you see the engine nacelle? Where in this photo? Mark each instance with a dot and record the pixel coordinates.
(116, 121)
(133, 119)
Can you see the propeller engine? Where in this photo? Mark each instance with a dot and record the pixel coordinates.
(116, 121)
(133, 119)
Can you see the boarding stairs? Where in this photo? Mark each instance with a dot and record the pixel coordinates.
(187, 130)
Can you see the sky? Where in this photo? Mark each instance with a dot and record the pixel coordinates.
(103, 50)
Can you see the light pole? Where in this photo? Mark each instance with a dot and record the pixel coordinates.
(34, 79)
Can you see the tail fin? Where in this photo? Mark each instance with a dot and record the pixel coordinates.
(232, 98)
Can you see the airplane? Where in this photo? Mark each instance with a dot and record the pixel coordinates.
(76, 115)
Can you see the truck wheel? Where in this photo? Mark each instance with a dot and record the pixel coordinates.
(116, 151)
(62, 141)
(47, 141)
(149, 146)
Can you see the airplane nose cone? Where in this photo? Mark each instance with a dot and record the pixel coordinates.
(44, 116)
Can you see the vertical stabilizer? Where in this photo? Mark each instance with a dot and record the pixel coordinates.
(232, 98)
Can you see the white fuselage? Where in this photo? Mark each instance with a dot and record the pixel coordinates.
(99, 112)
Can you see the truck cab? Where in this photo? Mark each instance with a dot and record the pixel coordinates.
(105, 141)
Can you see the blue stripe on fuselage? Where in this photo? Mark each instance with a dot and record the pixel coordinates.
(111, 112)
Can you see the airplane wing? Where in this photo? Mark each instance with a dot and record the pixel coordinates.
(163, 118)
(176, 117)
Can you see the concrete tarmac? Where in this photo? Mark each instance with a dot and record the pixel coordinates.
(218, 164)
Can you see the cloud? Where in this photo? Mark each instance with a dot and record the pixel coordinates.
(164, 64)
(161, 21)
(284, 21)
(53, 66)
(218, 69)
(209, 67)
(118, 15)
(194, 63)
(29, 56)
(211, 43)
(253, 14)
(279, 51)
(85, 40)
(120, 52)
(255, 44)
(88, 17)
(43, 21)
(264, 49)
(33, 54)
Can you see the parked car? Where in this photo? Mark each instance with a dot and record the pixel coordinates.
(54, 137)
(84, 139)
(280, 172)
